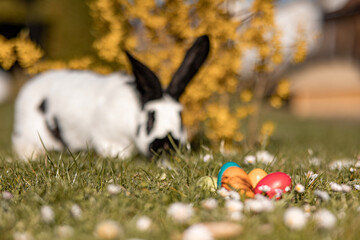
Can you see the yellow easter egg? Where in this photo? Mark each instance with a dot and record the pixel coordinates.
(256, 175)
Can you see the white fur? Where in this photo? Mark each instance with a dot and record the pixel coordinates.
(94, 111)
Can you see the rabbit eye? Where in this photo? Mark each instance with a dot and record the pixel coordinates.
(150, 122)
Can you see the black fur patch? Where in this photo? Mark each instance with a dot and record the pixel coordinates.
(163, 144)
(150, 122)
(56, 131)
(43, 106)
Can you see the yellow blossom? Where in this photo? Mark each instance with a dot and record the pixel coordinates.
(242, 112)
(27, 51)
(283, 88)
(246, 96)
(7, 55)
(80, 63)
(267, 129)
(276, 102)
(300, 52)
(45, 65)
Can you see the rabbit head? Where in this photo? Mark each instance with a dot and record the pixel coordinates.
(159, 122)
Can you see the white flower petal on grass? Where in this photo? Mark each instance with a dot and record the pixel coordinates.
(312, 176)
(325, 219)
(236, 216)
(267, 204)
(259, 204)
(162, 176)
(324, 196)
(208, 157)
(357, 187)
(310, 151)
(345, 188)
(22, 236)
(315, 161)
(209, 203)
(342, 163)
(180, 212)
(234, 195)
(197, 232)
(335, 187)
(357, 164)
(223, 192)
(308, 209)
(295, 218)
(47, 214)
(143, 223)
(114, 189)
(299, 188)
(250, 159)
(340, 188)
(7, 195)
(65, 231)
(76, 211)
(279, 192)
(308, 174)
(264, 188)
(352, 170)
(253, 205)
(234, 206)
(108, 229)
(264, 157)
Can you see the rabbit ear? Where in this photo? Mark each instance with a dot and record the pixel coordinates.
(147, 83)
(193, 60)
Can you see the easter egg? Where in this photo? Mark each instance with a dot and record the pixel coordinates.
(222, 170)
(256, 175)
(235, 178)
(274, 184)
(207, 183)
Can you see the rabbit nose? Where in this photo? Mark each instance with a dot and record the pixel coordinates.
(165, 144)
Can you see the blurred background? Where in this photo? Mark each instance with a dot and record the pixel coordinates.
(301, 55)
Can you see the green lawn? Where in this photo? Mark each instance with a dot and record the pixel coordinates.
(148, 188)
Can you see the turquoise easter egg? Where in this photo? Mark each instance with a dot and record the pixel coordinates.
(222, 170)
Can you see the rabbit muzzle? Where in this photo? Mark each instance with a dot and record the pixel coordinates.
(165, 144)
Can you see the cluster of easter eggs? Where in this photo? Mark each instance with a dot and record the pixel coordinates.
(233, 177)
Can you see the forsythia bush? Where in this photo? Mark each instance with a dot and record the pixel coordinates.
(159, 33)
(21, 49)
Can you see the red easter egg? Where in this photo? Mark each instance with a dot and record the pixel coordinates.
(274, 184)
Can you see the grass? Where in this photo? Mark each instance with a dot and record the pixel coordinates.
(62, 180)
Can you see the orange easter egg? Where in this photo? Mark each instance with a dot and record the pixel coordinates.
(256, 175)
(235, 178)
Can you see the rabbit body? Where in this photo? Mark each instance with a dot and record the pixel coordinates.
(91, 110)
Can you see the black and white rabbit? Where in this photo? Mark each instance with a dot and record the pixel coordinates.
(113, 114)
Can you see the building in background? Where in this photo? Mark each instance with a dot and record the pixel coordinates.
(328, 86)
